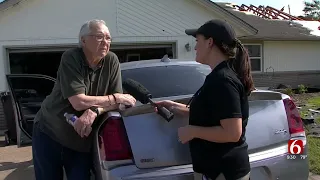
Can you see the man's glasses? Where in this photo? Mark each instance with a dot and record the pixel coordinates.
(100, 38)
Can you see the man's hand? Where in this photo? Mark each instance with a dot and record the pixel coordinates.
(83, 123)
(125, 99)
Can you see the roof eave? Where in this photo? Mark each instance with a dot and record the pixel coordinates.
(249, 28)
(313, 38)
(8, 3)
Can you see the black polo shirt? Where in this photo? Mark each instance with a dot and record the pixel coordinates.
(222, 96)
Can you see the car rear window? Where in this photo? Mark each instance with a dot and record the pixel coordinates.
(172, 80)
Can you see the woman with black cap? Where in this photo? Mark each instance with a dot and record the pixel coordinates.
(218, 112)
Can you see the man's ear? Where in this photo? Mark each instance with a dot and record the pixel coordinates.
(83, 40)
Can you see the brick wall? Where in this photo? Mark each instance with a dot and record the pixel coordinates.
(307, 78)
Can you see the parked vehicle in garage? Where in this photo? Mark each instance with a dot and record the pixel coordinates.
(137, 143)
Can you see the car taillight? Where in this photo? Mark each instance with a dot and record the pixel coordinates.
(114, 140)
(293, 116)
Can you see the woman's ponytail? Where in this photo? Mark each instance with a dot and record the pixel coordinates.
(242, 66)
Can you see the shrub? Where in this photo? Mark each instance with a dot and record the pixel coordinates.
(302, 89)
(288, 91)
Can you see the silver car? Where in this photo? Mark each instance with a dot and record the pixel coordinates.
(137, 143)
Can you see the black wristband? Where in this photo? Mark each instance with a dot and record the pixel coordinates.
(96, 110)
(115, 99)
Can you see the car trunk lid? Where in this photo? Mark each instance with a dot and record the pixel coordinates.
(154, 141)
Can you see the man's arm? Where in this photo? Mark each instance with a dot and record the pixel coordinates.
(115, 85)
(73, 87)
(82, 102)
(102, 110)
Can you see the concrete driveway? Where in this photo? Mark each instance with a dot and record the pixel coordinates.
(15, 163)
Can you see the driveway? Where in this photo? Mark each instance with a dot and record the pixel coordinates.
(15, 163)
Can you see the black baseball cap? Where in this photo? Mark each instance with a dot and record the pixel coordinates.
(219, 30)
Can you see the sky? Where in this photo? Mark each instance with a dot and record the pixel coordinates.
(296, 6)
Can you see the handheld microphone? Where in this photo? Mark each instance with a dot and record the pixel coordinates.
(139, 92)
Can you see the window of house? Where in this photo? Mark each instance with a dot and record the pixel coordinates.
(255, 53)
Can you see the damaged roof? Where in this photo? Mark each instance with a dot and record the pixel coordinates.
(271, 29)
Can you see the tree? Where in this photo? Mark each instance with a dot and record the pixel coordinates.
(312, 10)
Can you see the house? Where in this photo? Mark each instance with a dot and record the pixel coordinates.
(283, 51)
(34, 34)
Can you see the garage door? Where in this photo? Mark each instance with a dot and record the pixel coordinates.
(45, 60)
(116, 46)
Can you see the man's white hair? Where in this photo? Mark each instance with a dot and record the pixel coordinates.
(86, 28)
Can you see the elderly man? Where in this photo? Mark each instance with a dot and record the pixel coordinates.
(88, 77)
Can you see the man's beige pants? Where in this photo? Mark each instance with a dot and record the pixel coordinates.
(198, 176)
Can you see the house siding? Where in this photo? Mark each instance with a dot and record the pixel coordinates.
(159, 18)
(291, 63)
(286, 56)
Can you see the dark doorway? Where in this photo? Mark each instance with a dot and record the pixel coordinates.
(47, 63)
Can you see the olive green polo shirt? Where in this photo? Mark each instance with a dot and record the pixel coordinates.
(74, 77)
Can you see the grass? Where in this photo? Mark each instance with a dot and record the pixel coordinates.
(315, 102)
(314, 154)
(313, 142)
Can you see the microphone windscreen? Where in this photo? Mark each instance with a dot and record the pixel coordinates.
(137, 90)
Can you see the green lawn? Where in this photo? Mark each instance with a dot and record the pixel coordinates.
(314, 154)
(313, 142)
(315, 102)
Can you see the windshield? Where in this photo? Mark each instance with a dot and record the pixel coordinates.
(172, 80)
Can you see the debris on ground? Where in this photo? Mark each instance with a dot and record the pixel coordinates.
(283, 86)
(310, 124)
(301, 100)
(308, 121)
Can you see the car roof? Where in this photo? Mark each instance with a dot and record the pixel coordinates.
(156, 62)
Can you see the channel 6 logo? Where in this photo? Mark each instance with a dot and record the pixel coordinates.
(295, 146)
